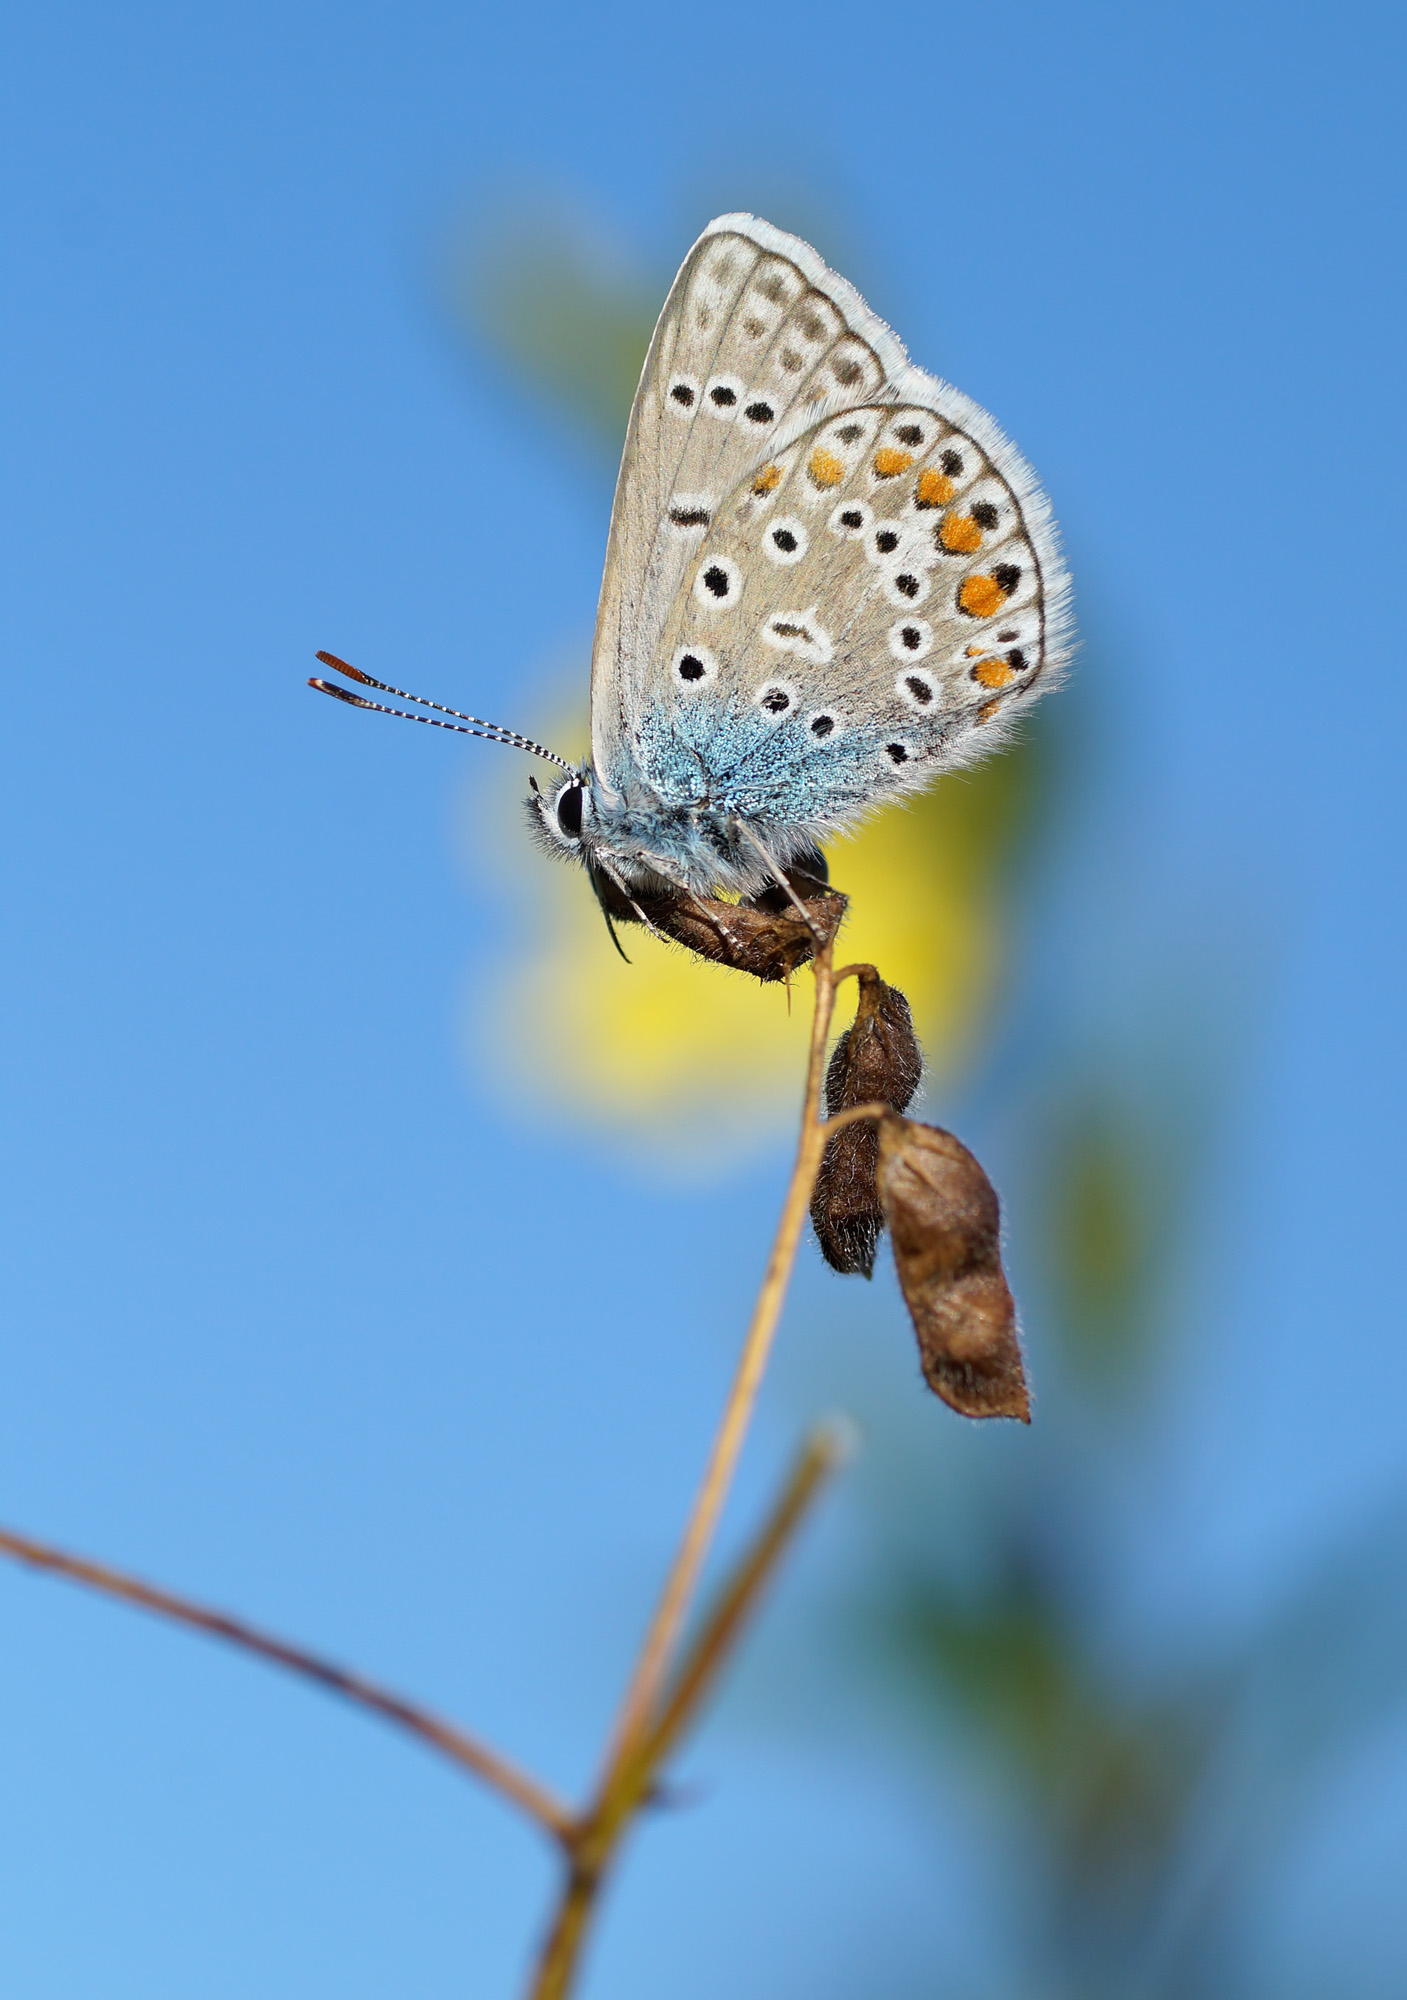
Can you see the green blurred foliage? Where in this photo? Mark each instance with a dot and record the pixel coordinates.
(1103, 1218)
(1135, 1809)
(566, 323)
(1118, 1172)
(1101, 1785)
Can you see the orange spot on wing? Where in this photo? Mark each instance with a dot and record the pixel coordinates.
(889, 463)
(987, 710)
(993, 673)
(935, 489)
(960, 534)
(825, 468)
(981, 597)
(768, 480)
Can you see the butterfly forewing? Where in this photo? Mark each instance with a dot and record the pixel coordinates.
(756, 339)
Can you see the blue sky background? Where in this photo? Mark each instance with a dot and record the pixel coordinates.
(298, 1315)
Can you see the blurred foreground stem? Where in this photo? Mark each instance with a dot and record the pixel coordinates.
(443, 1736)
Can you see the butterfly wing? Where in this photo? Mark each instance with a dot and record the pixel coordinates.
(867, 609)
(756, 338)
(830, 575)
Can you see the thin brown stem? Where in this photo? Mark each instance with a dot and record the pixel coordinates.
(636, 1744)
(443, 1736)
(561, 1952)
(822, 1454)
(854, 1114)
(653, 1661)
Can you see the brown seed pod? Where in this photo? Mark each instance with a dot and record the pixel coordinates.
(766, 935)
(877, 1061)
(944, 1218)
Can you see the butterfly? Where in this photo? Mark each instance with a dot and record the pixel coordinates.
(829, 578)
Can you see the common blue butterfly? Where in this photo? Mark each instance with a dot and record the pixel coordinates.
(829, 578)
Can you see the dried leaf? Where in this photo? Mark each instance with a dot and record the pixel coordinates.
(766, 935)
(877, 1061)
(944, 1217)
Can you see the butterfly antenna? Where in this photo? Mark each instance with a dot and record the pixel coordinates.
(466, 725)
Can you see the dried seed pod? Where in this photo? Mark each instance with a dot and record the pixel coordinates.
(845, 1209)
(766, 936)
(877, 1061)
(944, 1217)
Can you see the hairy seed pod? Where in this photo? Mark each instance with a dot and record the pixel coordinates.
(877, 1061)
(945, 1221)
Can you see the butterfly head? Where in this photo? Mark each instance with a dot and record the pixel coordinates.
(565, 814)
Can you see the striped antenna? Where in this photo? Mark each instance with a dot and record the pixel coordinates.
(467, 725)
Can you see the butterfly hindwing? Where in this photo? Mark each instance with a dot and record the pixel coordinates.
(864, 611)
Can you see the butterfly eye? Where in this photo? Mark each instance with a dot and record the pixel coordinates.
(569, 802)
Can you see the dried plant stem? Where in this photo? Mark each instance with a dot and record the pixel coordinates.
(857, 1114)
(599, 1837)
(645, 1729)
(660, 1639)
(443, 1736)
(823, 1453)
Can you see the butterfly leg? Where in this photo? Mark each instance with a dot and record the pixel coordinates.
(619, 881)
(665, 865)
(782, 883)
(709, 913)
